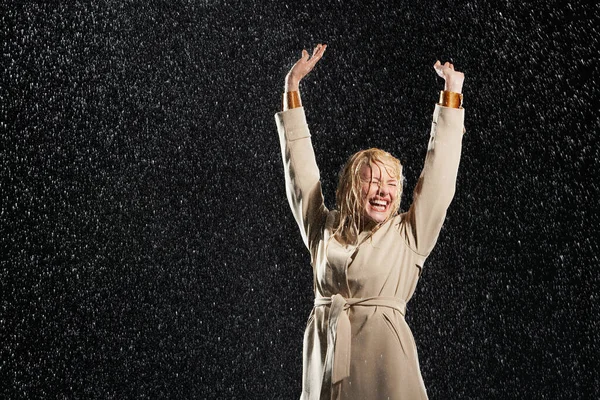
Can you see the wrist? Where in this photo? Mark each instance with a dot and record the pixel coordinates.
(454, 86)
(292, 84)
(454, 89)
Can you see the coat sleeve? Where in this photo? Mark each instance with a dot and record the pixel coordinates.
(436, 185)
(302, 179)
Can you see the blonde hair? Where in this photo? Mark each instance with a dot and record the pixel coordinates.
(349, 198)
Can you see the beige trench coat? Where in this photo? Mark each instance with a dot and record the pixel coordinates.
(357, 344)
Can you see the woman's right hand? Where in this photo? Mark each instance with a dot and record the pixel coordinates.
(302, 67)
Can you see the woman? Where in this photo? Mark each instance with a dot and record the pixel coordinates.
(366, 257)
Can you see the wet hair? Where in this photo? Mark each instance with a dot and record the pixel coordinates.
(349, 199)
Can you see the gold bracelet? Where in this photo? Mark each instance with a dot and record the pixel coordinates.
(291, 100)
(450, 99)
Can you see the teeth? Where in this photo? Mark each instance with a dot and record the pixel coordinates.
(379, 205)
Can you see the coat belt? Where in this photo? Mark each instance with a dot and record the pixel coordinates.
(339, 335)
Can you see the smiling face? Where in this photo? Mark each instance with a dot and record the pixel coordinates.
(379, 191)
(368, 193)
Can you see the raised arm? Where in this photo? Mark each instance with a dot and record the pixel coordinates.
(303, 186)
(435, 189)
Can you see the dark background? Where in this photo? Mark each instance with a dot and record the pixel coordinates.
(147, 246)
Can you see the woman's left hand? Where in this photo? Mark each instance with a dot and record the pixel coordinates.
(454, 79)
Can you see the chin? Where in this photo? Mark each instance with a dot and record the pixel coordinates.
(378, 218)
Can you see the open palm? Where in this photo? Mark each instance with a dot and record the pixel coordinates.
(303, 66)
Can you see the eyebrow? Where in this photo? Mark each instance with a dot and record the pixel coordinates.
(389, 180)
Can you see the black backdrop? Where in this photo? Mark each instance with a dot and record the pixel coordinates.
(147, 246)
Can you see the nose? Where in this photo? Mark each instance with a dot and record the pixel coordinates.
(382, 189)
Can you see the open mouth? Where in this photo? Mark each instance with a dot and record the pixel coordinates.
(379, 205)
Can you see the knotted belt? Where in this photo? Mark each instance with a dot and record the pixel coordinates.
(339, 335)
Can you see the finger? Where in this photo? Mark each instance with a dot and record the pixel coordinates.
(317, 56)
(316, 49)
(438, 68)
(304, 54)
(322, 50)
(318, 53)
